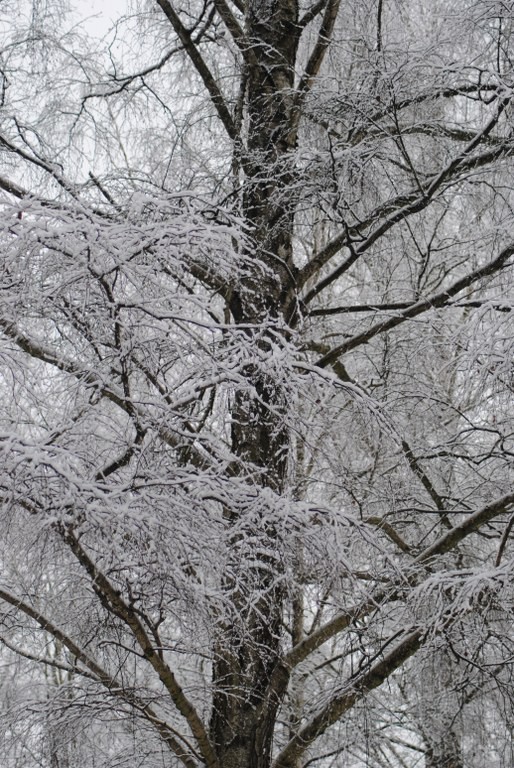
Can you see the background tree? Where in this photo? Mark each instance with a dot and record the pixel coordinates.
(256, 347)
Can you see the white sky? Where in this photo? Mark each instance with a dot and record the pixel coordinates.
(98, 15)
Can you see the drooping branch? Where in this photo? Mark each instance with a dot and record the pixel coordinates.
(91, 379)
(473, 90)
(95, 672)
(414, 464)
(113, 602)
(374, 129)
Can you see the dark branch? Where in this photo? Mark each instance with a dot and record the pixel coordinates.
(402, 305)
(201, 67)
(433, 302)
(114, 687)
(400, 208)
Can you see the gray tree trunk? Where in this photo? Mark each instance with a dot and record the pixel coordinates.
(244, 709)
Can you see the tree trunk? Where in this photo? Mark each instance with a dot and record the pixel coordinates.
(243, 712)
(445, 754)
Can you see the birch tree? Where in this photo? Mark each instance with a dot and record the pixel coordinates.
(256, 370)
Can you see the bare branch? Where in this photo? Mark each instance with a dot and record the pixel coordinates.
(311, 14)
(436, 300)
(318, 53)
(469, 525)
(389, 531)
(400, 208)
(448, 541)
(13, 189)
(235, 30)
(114, 603)
(401, 305)
(96, 672)
(201, 67)
(87, 376)
(70, 188)
(353, 690)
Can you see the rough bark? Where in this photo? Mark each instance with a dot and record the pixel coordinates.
(445, 755)
(248, 648)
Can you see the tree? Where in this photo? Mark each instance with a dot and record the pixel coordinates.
(256, 379)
